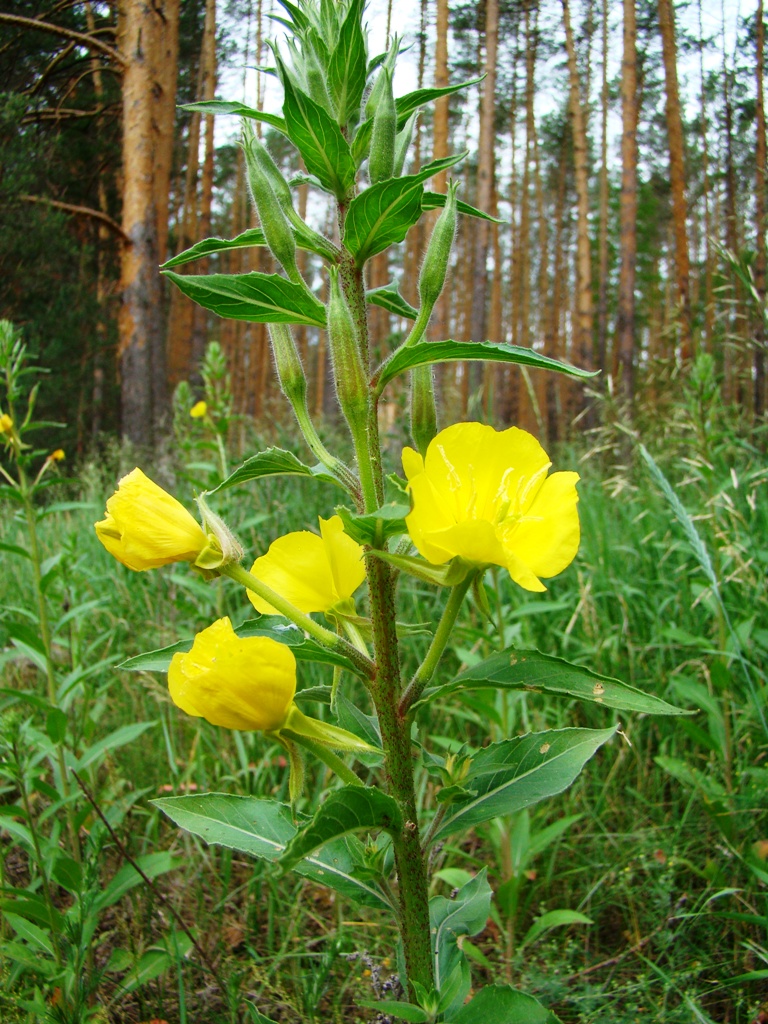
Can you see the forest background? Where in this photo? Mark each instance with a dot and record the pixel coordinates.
(621, 147)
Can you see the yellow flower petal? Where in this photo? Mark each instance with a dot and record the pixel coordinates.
(6, 423)
(198, 410)
(313, 573)
(484, 495)
(236, 682)
(145, 527)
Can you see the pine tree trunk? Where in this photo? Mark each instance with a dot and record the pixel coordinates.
(584, 316)
(709, 304)
(625, 325)
(676, 174)
(439, 325)
(148, 41)
(602, 246)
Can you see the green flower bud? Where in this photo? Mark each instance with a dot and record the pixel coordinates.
(372, 103)
(317, 78)
(402, 144)
(381, 162)
(348, 372)
(435, 264)
(290, 372)
(423, 415)
(277, 230)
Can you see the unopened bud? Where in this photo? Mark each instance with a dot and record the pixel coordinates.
(277, 230)
(381, 162)
(288, 364)
(435, 264)
(317, 77)
(351, 385)
(223, 546)
(371, 104)
(402, 144)
(423, 415)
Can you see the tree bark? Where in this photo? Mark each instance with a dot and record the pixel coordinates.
(148, 45)
(602, 245)
(584, 314)
(625, 326)
(438, 328)
(676, 174)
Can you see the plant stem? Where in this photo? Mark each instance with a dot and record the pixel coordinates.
(324, 636)
(426, 670)
(331, 760)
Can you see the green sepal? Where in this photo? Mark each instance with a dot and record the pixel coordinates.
(374, 528)
(322, 732)
(296, 762)
(420, 568)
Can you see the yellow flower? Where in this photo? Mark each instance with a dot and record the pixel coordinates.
(57, 456)
(484, 495)
(198, 410)
(313, 573)
(237, 682)
(6, 423)
(145, 527)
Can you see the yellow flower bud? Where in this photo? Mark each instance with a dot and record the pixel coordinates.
(145, 527)
(57, 456)
(198, 410)
(236, 682)
(6, 423)
(484, 496)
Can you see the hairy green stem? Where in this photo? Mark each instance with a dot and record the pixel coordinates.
(320, 633)
(426, 670)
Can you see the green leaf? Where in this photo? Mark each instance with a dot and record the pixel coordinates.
(349, 809)
(274, 626)
(152, 864)
(36, 937)
(513, 774)
(552, 919)
(426, 353)
(467, 914)
(118, 738)
(347, 68)
(436, 201)
(413, 100)
(409, 1012)
(374, 528)
(513, 669)
(383, 213)
(13, 549)
(241, 109)
(209, 246)
(273, 462)
(156, 961)
(257, 298)
(263, 828)
(389, 298)
(500, 1004)
(318, 138)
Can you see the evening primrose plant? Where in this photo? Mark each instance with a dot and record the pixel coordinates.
(473, 497)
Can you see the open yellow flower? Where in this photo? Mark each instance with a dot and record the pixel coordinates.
(198, 410)
(6, 423)
(237, 682)
(484, 495)
(313, 573)
(145, 527)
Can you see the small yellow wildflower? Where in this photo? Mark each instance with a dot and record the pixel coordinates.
(145, 527)
(484, 495)
(6, 423)
(198, 410)
(313, 573)
(236, 682)
(57, 456)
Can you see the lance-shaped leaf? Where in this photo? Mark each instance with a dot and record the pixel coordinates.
(428, 352)
(274, 462)
(210, 246)
(513, 669)
(501, 1004)
(263, 828)
(383, 213)
(451, 920)
(347, 70)
(516, 773)
(413, 100)
(389, 298)
(273, 626)
(436, 201)
(349, 809)
(241, 109)
(374, 528)
(258, 298)
(318, 138)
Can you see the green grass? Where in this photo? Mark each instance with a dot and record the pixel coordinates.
(660, 861)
